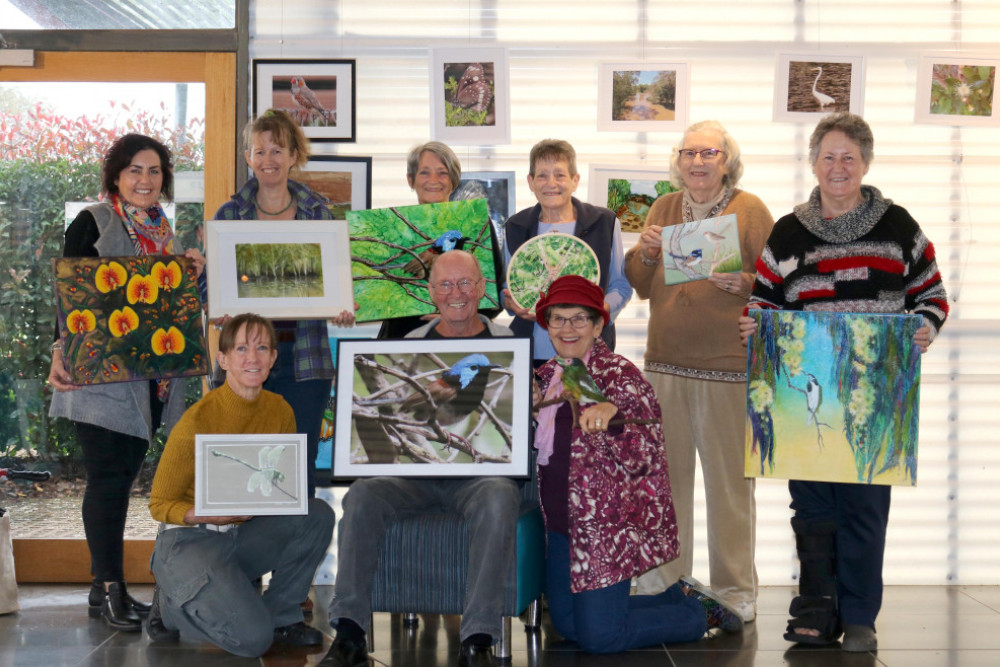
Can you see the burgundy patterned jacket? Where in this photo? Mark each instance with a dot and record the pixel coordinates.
(621, 513)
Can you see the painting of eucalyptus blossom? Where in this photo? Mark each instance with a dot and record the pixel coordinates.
(833, 397)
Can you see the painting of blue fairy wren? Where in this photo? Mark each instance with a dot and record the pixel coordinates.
(432, 407)
(833, 397)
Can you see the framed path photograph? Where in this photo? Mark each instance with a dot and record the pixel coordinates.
(129, 318)
(456, 407)
(278, 269)
(808, 86)
(250, 475)
(345, 181)
(694, 250)
(629, 192)
(393, 249)
(318, 94)
(957, 91)
(542, 259)
(642, 97)
(470, 96)
(833, 397)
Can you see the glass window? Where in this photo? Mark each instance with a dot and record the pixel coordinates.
(117, 15)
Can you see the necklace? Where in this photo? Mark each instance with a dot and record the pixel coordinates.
(260, 208)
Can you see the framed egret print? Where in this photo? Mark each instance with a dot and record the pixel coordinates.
(542, 259)
(642, 97)
(248, 475)
(957, 90)
(277, 269)
(470, 95)
(833, 397)
(318, 94)
(345, 181)
(808, 86)
(453, 407)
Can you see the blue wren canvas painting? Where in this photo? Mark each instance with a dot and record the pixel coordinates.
(833, 397)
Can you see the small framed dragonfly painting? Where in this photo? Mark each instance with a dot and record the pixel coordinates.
(249, 475)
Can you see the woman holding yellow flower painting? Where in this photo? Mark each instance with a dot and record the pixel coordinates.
(116, 422)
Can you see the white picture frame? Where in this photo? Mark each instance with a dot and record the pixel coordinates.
(389, 371)
(645, 114)
(837, 77)
(250, 474)
(598, 189)
(500, 189)
(228, 287)
(945, 82)
(454, 63)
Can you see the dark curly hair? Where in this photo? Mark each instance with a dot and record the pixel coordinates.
(120, 156)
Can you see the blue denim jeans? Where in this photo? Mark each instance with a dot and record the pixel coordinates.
(489, 504)
(609, 620)
(205, 577)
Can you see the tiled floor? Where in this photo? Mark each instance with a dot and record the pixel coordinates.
(919, 627)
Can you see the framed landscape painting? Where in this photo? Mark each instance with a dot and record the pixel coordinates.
(454, 407)
(250, 475)
(278, 270)
(345, 181)
(318, 94)
(694, 250)
(957, 90)
(542, 259)
(392, 250)
(129, 318)
(833, 397)
(470, 96)
(629, 192)
(808, 86)
(642, 97)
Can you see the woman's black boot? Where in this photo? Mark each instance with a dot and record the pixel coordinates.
(117, 611)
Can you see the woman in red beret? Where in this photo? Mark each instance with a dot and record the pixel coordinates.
(604, 489)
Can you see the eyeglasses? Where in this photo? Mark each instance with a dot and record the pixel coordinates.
(579, 321)
(707, 154)
(464, 286)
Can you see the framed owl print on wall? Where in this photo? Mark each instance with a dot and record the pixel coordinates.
(470, 96)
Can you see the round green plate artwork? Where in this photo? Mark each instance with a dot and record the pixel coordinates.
(544, 258)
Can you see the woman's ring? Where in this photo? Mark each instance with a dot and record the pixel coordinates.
(598, 423)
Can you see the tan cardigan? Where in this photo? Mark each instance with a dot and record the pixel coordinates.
(693, 326)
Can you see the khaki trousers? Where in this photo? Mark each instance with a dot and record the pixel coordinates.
(706, 418)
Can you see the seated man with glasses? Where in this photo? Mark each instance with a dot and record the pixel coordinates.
(489, 504)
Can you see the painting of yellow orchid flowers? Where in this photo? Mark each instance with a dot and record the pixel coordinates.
(129, 318)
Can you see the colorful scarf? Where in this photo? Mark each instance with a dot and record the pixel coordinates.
(546, 431)
(149, 229)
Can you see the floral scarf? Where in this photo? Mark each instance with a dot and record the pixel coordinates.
(149, 229)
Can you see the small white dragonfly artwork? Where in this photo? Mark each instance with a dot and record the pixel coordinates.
(265, 476)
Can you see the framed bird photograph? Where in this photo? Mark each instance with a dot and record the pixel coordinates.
(318, 94)
(833, 397)
(694, 250)
(278, 269)
(453, 407)
(249, 474)
(496, 187)
(811, 85)
(629, 192)
(470, 95)
(345, 181)
(393, 250)
(642, 97)
(957, 91)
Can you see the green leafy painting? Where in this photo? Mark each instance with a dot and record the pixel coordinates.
(632, 199)
(962, 90)
(392, 250)
(833, 397)
(129, 318)
(542, 259)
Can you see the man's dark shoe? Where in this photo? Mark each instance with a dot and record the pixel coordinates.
(476, 655)
(116, 610)
(96, 600)
(345, 653)
(298, 634)
(155, 629)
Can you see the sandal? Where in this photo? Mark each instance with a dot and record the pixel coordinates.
(816, 613)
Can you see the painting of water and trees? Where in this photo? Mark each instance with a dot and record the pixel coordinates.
(833, 397)
(279, 270)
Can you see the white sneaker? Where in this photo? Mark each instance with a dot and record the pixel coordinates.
(747, 610)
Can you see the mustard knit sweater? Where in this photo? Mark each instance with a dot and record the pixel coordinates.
(220, 411)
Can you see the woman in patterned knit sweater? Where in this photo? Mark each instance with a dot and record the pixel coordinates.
(847, 249)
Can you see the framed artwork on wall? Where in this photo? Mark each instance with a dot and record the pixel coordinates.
(833, 397)
(250, 475)
(470, 96)
(642, 97)
(278, 270)
(318, 94)
(345, 181)
(811, 85)
(497, 187)
(629, 192)
(454, 407)
(957, 91)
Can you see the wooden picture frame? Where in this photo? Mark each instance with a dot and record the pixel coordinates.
(470, 95)
(250, 474)
(244, 259)
(663, 109)
(386, 426)
(318, 94)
